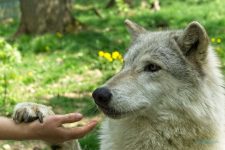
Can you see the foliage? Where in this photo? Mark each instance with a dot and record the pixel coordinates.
(217, 44)
(109, 61)
(122, 6)
(167, 2)
(9, 56)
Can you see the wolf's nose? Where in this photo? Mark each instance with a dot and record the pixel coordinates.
(102, 96)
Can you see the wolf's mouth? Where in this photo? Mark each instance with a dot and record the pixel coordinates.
(111, 112)
(115, 114)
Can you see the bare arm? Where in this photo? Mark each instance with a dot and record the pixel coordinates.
(50, 130)
(9, 130)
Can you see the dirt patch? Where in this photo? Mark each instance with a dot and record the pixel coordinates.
(23, 145)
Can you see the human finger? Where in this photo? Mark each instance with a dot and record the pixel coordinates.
(68, 118)
(81, 131)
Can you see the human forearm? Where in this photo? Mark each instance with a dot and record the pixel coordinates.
(11, 131)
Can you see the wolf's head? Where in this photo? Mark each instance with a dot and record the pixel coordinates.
(160, 69)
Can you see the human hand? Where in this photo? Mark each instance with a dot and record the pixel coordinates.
(52, 131)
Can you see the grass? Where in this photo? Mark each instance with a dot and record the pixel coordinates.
(62, 70)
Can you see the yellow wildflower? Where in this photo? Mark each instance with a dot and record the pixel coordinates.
(30, 74)
(110, 59)
(100, 53)
(218, 40)
(115, 55)
(120, 58)
(108, 56)
(20, 78)
(213, 40)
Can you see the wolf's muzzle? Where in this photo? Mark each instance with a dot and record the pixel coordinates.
(102, 96)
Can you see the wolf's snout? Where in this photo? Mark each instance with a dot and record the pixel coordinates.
(102, 96)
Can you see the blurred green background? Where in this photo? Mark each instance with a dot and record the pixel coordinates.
(61, 69)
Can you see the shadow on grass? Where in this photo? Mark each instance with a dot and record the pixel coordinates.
(84, 105)
(84, 40)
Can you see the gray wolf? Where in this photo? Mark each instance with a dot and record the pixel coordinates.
(169, 94)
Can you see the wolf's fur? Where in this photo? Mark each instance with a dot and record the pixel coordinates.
(180, 106)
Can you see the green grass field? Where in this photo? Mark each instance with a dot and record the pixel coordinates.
(62, 70)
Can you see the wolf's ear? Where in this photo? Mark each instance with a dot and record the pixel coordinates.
(194, 42)
(134, 28)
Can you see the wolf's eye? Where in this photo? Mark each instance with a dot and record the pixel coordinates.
(152, 68)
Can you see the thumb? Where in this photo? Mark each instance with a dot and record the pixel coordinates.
(69, 118)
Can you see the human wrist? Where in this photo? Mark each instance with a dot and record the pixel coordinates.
(32, 131)
(18, 131)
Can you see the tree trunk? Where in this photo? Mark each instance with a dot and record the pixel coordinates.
(41, 16)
